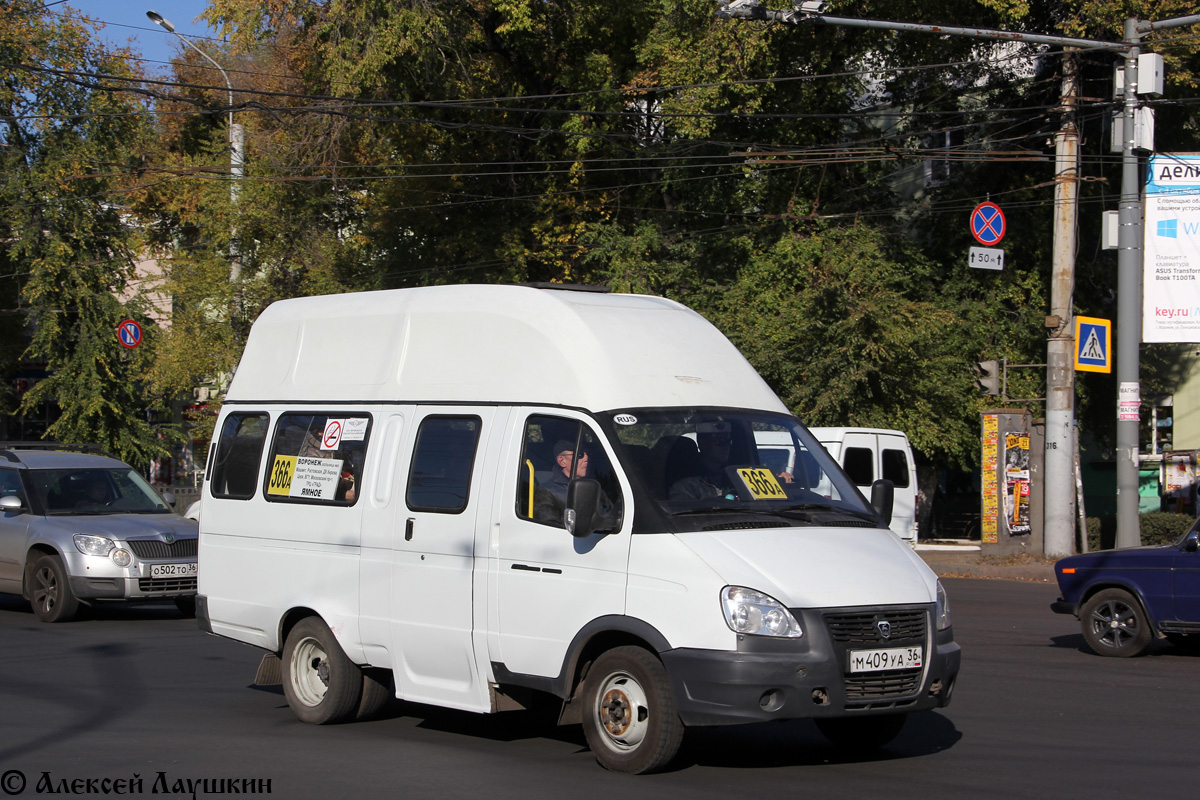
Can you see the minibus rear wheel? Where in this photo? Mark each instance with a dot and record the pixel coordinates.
(320, 682)
(629, 714)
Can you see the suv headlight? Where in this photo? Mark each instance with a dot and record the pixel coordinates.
(93, 545)
(748, 611)
(943, 608)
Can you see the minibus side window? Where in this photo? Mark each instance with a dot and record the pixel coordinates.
(859, 465)
(547, 458)
(237, 455)
(318, 457)
(442, 462)
(895, 468)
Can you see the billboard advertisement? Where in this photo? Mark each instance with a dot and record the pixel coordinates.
(1171, 270)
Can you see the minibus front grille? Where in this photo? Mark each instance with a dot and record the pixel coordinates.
(905, 626)
(155, 548)
(880, 628)
(867, 689)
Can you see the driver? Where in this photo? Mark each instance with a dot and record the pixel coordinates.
(714, 440)
(94, 494)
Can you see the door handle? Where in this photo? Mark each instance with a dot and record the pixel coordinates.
(408, 529)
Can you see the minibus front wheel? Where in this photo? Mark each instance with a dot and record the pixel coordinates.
(629, 718)
(320, 682)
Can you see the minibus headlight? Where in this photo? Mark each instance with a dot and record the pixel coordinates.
(93, 545)
(943, 608)
(748, 611)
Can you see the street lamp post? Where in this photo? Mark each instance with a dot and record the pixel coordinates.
(236, 143)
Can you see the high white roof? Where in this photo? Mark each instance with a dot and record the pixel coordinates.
(494, 344)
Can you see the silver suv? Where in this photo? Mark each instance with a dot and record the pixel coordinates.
(82, 527)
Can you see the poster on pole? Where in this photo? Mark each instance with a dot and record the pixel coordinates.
(1171, 242)
(1016, 480)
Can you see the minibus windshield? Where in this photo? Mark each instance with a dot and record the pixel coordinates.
(720, 468)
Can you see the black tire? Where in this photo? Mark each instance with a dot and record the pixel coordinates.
(862, 733)
(321, 684)
(50, 590)
(1114, 624)
(629, 714)
(376, 692)
(186, 605)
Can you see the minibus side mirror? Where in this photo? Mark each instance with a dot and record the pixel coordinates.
(583, 506)
(883, 495)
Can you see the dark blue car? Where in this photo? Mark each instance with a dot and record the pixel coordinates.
(1125, 598)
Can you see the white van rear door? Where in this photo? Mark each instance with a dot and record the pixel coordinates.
(867, 457)
(444, 482)
(896, 465)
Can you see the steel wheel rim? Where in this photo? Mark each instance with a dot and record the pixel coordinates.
(45, 590)
(309, 672)
(1114, 624)
(622, 712)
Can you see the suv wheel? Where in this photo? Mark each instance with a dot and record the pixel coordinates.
(50, 591)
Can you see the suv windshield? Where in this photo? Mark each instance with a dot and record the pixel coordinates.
(95, 491)
(716, 469)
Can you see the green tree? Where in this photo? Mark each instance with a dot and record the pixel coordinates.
(753, 171)
(70, 135)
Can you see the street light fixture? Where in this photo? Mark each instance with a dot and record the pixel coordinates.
(236, 140)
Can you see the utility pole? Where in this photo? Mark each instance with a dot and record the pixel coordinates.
(1129, 305)
(1058, 514)
(1129, 287)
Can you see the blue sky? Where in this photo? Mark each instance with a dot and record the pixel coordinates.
(126, 19)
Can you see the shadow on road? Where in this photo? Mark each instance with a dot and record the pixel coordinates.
(97, 611)
(1183, 646)
(798, 743)
(763, 745)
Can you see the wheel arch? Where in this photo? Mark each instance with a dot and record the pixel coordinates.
(36, 551)
(290, 619)
(598, 636)
(1132, 589)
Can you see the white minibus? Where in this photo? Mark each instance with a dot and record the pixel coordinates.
(480, 496)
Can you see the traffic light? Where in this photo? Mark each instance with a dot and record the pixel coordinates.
(987, 376)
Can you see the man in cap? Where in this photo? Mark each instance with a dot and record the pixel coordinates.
(566, 462)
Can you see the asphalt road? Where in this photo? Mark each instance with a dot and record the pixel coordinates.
(138, 691)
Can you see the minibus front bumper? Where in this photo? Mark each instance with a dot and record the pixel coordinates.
(771, 679)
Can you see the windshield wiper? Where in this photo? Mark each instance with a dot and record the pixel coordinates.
(714, 510)
(803, 508)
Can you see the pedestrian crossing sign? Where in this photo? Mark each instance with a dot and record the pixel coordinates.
(1093, 345)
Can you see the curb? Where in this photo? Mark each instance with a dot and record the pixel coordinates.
(960, 559)
(1022, 572)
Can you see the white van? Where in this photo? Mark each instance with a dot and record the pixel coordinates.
(869, 454)
(472, 496)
